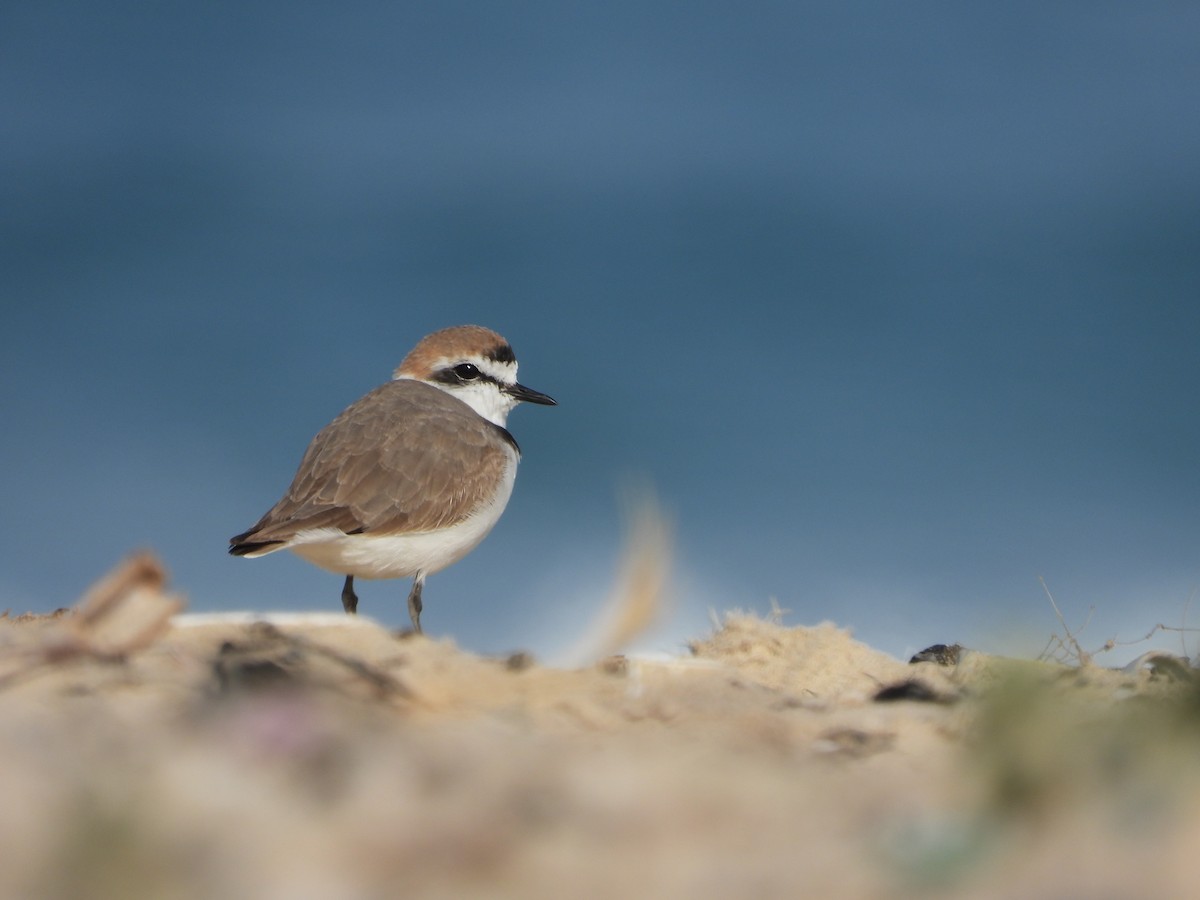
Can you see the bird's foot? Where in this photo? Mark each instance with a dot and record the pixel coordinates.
(349, 598)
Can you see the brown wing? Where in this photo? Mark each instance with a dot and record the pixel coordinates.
(406, 457)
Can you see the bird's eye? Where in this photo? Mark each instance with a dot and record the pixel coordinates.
(466, 372)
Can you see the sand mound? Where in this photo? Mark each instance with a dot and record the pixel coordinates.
(327, 757)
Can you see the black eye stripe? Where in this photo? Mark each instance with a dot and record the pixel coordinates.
(463, 373)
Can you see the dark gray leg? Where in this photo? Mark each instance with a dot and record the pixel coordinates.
(414, 602)
(349, 598)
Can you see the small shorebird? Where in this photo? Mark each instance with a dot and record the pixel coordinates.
(409, 479)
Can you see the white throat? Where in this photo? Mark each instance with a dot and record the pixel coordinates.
(485, 398)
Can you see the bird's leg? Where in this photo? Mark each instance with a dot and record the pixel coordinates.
(414, 602)
(349, 598)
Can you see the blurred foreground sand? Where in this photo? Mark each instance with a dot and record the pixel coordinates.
(325, 757)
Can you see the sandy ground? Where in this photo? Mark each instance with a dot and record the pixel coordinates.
(145, 753)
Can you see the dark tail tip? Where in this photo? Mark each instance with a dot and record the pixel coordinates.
(240, 547)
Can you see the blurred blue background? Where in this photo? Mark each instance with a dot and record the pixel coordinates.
(896, 305)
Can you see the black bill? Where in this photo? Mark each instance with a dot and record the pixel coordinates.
(528, 395)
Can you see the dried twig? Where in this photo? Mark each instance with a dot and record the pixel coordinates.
(268, 641)
(1066, 646)
(777, 612)
(122, 613)
(640, 594)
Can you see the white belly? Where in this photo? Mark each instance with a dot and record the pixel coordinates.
(402, 555)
